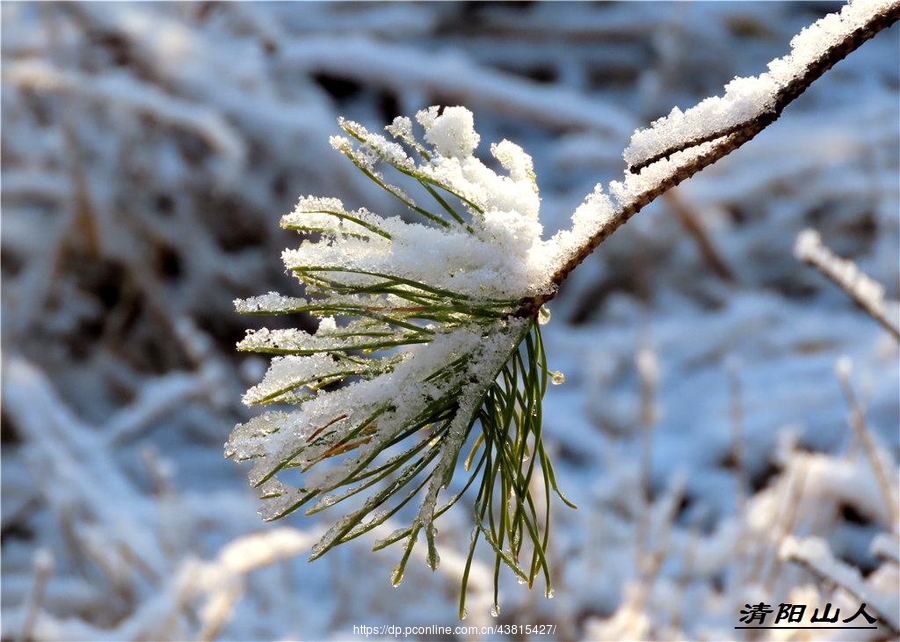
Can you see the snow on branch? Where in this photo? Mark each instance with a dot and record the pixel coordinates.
(873, 454)
(865, 291)
(680, 145)
(751, 104)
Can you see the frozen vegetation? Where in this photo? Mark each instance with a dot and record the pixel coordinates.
(729, 420)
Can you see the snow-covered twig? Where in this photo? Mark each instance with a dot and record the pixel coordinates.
(782, 523)
(887, 545)
(630, 621)
(736, 414)
(752, 104)
(222, 580)
(815, 554)
(648, 370)
(677, 147)
(216, 582)
(865, 291)
(29, 184)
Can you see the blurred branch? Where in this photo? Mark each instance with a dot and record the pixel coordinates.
(157, 398)
(134, 94)
(43, 565)
(858, 422)
(815, 555)
(82, 463)
(404, 69)
(865, 291)
(693, 226)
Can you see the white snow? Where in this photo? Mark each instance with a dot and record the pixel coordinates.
(500, 257)
(452, 133)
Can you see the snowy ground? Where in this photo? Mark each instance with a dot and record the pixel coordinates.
(148, 151)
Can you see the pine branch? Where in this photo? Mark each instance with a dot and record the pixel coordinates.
(426, 350)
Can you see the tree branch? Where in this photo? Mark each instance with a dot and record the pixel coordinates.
(686, 158)
(865, 291)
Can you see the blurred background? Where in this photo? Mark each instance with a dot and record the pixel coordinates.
(148, 152)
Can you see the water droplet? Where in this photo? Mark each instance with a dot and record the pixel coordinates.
(520, 580)
(495, 611)
(396, 576)
(557, 378)
(544, 315)
(464, 615)
(549, 593)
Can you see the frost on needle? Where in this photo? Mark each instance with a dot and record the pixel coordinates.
(421, 324)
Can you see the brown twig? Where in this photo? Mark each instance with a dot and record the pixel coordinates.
(693, 226)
